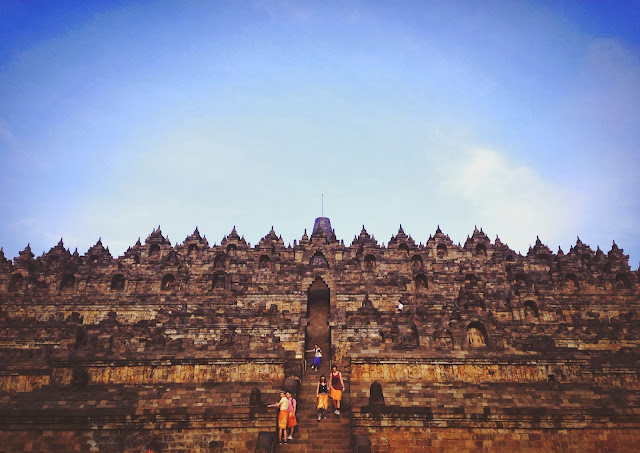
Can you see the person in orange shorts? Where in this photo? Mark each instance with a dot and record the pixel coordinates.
(336, 387)
(291, 422)
(283, 417)
(322, 393)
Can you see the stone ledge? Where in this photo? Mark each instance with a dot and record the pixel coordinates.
(521, 417)
(119, 418)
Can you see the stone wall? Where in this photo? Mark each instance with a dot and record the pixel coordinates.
(493, 349)
(395, 438)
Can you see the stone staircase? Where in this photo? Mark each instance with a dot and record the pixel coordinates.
(332, 434)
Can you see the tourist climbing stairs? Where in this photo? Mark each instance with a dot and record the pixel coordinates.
(330, 434)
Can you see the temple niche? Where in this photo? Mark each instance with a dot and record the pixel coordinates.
(417, 263)
(318, 260)
(443, 340)
(421, 283)
(530, 310)
(623, 282)
(470, 281)
(219, 281)
(571, 282)
(264, 262)
(68, 282)
(15, 283)
(219, 261)
(154, 250)
(168, 282)
(232, 249)
(476, 336)
(477, 346)
(370, 262)
(405, 336)
(117, 282)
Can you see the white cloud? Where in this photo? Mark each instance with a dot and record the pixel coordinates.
(511, 199)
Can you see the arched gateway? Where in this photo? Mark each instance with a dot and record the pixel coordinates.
(318, 307)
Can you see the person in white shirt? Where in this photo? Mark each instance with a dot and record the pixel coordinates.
(283, 417)
(317, 358)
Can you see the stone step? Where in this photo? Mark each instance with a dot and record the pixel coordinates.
(292, 447)
(328, 437)
(332, 421)
(321, 439)
(322, 424)
(332, 434)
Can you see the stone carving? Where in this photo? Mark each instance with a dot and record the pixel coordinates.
(265, 262)
(444, 342)
(218, 281)
(475, 337)
(219, 261)
(530, 309)
(168, 282)
(421, 283)
(370, 262)
(117, 282)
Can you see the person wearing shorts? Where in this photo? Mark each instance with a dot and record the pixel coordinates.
(317, 358)
(291, 409)
(336, 387)
(283, 417)
(322, 393)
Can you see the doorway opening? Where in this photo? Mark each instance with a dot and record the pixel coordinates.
(318, 332)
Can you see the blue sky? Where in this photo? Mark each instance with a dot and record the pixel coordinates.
(522, 118)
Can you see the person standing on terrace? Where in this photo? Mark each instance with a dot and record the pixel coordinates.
(283, 417)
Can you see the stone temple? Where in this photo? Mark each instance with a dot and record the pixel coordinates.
(179, 348)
